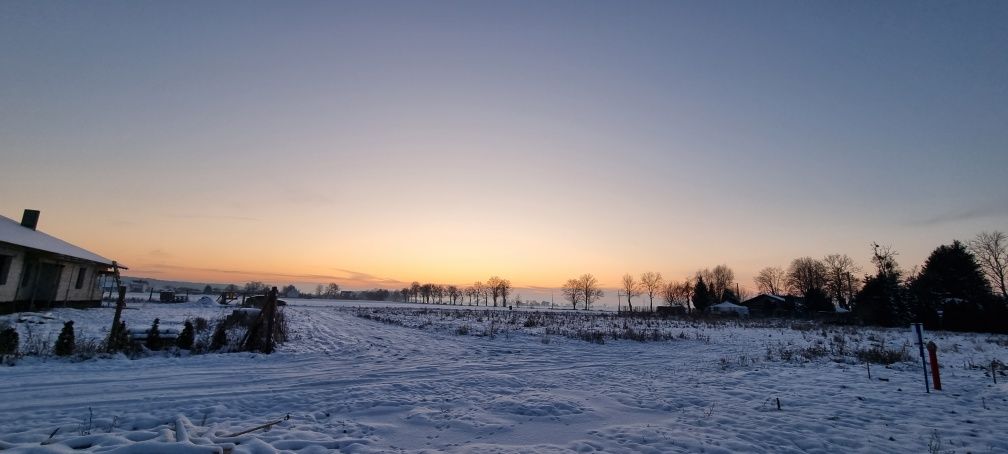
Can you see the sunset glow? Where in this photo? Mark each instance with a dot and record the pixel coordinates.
(376, 145)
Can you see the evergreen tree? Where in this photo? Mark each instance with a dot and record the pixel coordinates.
(65, 341)
(952, 281)
(816, 300)
(219, 339)
(186, 337)
(702, 295)
(119, 339)
(8, 341)
(882, 300)
(154, 336)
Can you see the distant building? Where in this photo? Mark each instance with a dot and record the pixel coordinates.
(766, 305)
(138, 286)
(39, 271)
(728, 308)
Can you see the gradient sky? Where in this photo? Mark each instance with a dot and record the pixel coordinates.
(379, 142)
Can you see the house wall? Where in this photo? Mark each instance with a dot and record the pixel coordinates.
(67, 292)
(8, 289)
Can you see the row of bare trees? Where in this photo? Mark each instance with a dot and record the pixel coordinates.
(835, 277)
(583, 290)
(494, 289)
(707, 287)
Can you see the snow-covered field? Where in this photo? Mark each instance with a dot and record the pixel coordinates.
(402, 378)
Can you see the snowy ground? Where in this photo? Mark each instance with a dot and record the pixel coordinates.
(353, 384)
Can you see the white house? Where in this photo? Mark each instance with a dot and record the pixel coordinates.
(40, 271)
(728, 308)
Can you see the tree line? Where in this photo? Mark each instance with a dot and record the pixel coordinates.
(961, 286)
(493, 290)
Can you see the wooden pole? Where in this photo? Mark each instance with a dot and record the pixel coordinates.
(270, 312)
(120, 305)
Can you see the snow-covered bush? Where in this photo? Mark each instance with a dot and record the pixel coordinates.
(154, 336)
(119, 339)
(8, 340)
(186, 337)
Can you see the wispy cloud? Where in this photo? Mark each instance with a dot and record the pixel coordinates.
(214, 216)
(354, 278)
(158, 253)
(991, 210)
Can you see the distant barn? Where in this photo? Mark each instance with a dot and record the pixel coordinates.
(766, 305)
(39, 271)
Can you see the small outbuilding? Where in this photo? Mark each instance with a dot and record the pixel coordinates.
(767, 305)
(728, 308)
(40, 271)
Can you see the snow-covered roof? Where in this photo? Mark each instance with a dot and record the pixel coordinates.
(728, 305)
(13, 232)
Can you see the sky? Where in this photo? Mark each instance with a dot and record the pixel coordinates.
(376, 143)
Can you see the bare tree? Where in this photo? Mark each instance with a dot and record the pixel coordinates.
(771, 280)
(504, 287)
(841, 280)
(319, 289)
(721, 279)
(884, 259)
(415, 291)
(477, 291)
(494, 286)
(571, 291)
(332, 290)
(632, 289)
(669, 293)
(991, 251)
(589, 289)
(427, 291)
(651, 283)
(805, 275)
(744, 294)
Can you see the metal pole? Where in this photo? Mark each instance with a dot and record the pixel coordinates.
(919, 327)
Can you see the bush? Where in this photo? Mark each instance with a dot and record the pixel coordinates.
(119, 339)
(8, 340)
(881, 355)
(65, 342)
(154, 336)
(186, 337)
(219, 339)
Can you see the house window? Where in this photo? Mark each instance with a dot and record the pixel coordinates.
(80, 277)
(5, 264)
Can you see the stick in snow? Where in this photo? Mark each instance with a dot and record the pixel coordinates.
(264, 426)
(50, 439)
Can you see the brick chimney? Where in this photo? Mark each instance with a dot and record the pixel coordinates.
(30, 219)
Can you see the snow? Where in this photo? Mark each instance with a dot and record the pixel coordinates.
(13, 232)
(411, 384)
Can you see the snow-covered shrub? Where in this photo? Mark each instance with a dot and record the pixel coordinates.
(154, 336)
(8, 340)
(200, 324)
(87, 347)
(186, 337)
(65, 342)
(881, 355)
(35, 344)
(220, 338)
